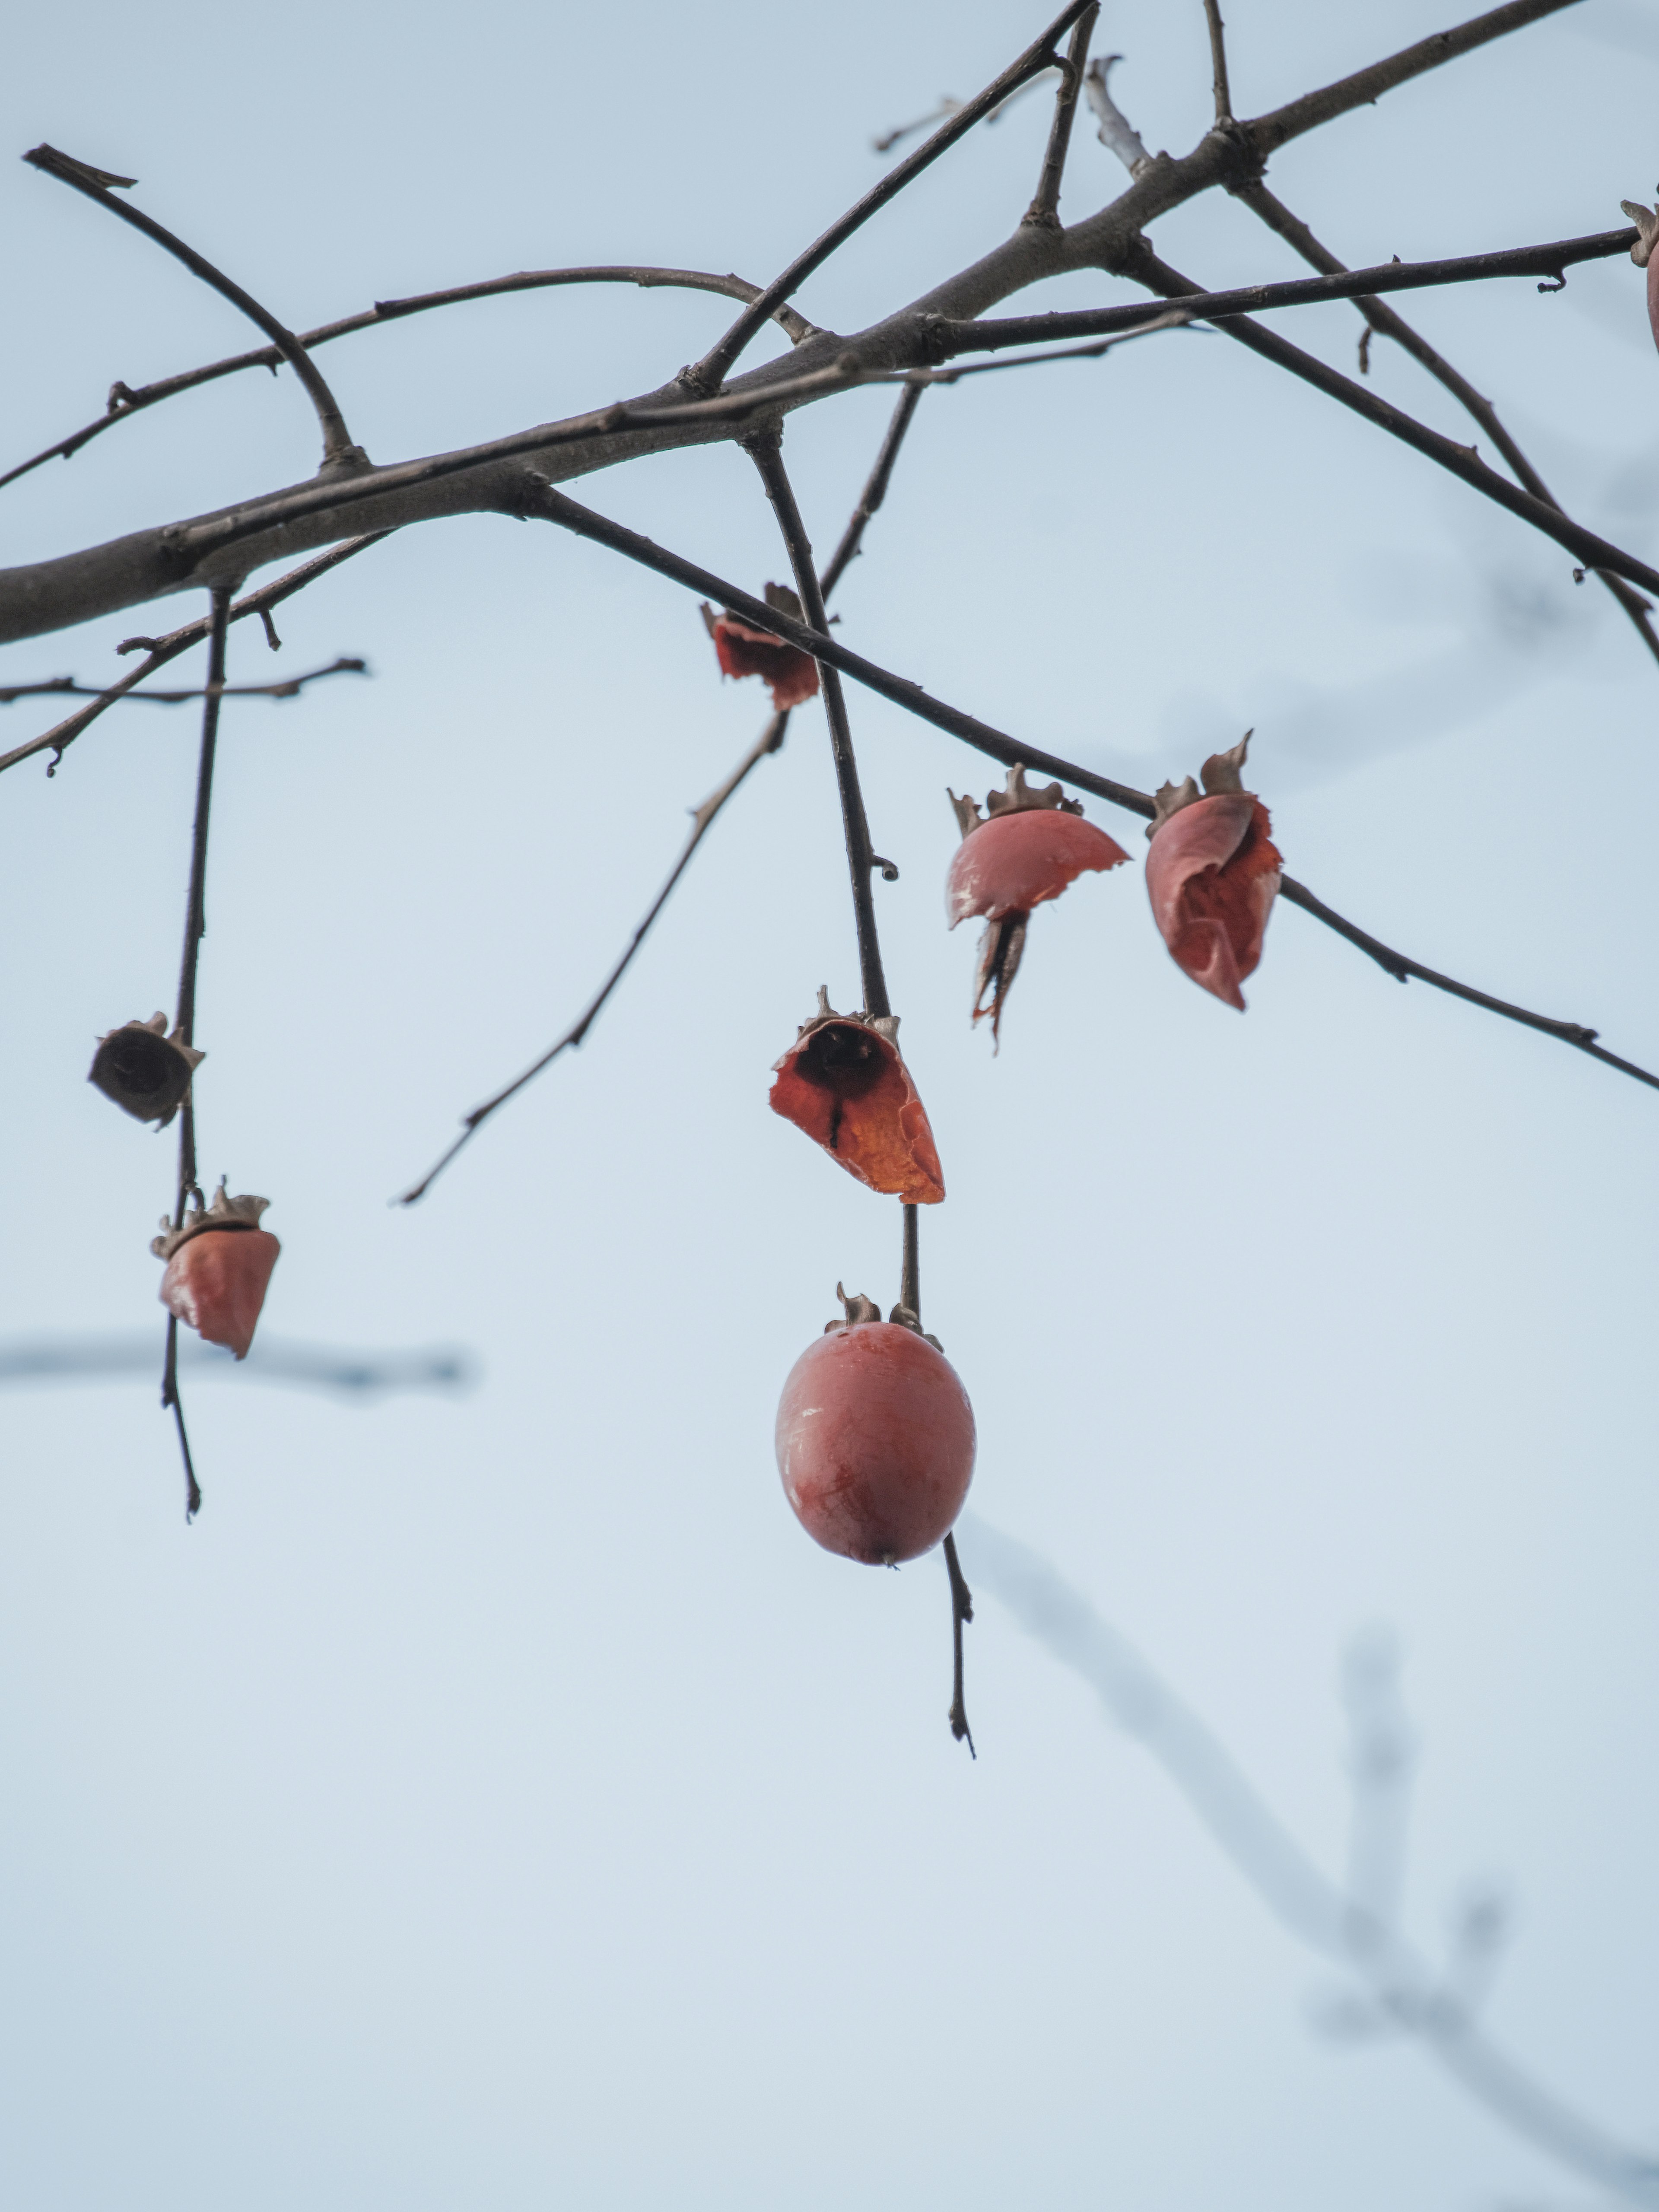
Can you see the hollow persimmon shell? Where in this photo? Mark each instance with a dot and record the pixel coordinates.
(1014, 861)
(846, 1086)
(875, 1443)
(216, 1283)
(1653, 297)
(790, 675)
(1212, 873)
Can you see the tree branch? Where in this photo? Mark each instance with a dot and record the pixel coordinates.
(709, 374)
(1042, 209)
(161, 650)
(289, 688)
(1223, 99)
(338, 451)
(125, 400)
(1267, 133)
(767, 455)
(1296, 233)
(554, 506)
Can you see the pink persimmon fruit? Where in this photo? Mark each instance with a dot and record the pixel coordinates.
(1645, 254)
(1029, 847)
(875, 1438)
(1212, 874)
(845, 1084)
(218, 1269)
(790, 675)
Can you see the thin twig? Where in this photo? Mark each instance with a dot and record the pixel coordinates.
(1384, 320)
(555, 506)
(126, 399)
(709, 374)
(1461, 461)
(702, 820)
(1042, 210)
(65, 687)
(875, 491)
(950, 337)
(1223, 99)
(1314, 1910)
(339, 450)
(766, 454)
(1115, 131)
(195, 930)
(160, 650)
(1267, 133)
(961, 1612)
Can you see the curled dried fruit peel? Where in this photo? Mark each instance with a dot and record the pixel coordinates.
(875, 1438)
(144, 1070)
(844, 1084)
(1028, 846)
(1643, 254)
(219, 1262)
(790, 675)
(1212, 874)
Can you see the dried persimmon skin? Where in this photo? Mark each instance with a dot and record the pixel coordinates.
(215, 1283)
(1212, 873)
(1015, 861)
(790, 675)
(843, 1084)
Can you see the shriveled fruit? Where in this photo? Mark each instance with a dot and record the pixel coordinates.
(1645, 254)
(144, 1070)
(1212, 875)
(790, 675)
(844, 1083)
(218, 1269)
(1029, 846)
(875, 1439)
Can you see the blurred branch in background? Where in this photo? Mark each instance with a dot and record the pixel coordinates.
(1353, 1923)
(359, 1375)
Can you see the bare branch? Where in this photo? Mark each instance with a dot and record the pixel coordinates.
(961, 1612)
(1384, 320)
(1043, 207)
(554, 506)
(861, 863)
(710, 373)
(125, 399)
(289, 688)
(875, 491)
(160, 651)
(1223, 99)
(1116, 133)
(1461, 461)
(338, 451)
(1269, 133)
(1551, 260)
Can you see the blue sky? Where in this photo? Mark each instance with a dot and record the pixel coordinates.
(495, 1798)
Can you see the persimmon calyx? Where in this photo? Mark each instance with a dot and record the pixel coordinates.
(1647, 225)
(1018, 798)
(224, 1212)
(1221, 772)
(886, 1025)
(858, 1310)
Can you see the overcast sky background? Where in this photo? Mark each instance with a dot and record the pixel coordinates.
(496, 1799)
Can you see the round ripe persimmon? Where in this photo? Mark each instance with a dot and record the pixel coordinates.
(875, 1441)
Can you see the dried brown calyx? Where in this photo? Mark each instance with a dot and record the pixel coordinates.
(225, 1213)
(1646, 226)
(1017, 799)
(1221, 772)
(144, 1070)
(860, 1309)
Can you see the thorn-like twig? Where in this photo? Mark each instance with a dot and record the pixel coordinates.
(338, 451)
(961, 1612)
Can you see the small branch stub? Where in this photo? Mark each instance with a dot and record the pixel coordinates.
(146, 1071)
